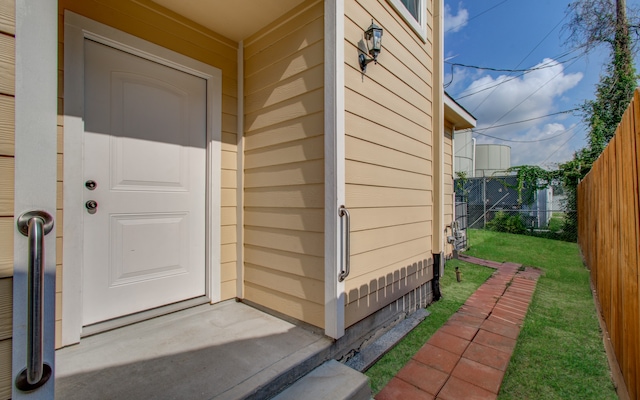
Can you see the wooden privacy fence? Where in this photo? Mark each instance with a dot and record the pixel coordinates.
(608, 234)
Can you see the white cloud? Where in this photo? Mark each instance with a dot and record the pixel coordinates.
(509, 98)
(527, 97)
(453, 23)
(549, 144)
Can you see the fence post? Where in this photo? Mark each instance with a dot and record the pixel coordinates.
(484, 200)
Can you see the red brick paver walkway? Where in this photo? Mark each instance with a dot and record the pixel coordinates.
(468, 356)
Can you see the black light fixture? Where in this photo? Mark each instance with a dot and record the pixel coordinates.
(373, 38)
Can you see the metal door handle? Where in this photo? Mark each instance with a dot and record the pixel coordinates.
(35, 225)
(343, 212)
(91, 206)
(91, 185)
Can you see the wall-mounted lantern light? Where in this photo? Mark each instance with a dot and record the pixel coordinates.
(373, 38)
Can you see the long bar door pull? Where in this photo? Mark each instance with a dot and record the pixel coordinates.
(343, 212)
(35, 225)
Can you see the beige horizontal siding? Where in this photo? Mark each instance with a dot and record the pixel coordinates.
(301, 196)
(297, 286)
(228, 216)
(391, 119)
(369, 240)
(6, 327)
(300, 242)
(7, 64)
(297, 85)
(285, 153)
(227, 253)
(5, 369)
(377, 175)
(6, 315)
(372, 218)
(389, 168)
(370, 196)
(301, 27)
(361, 128)
(304, 127)
(6, 308)
(7, 125)
(389, 97)
(299, 106)
(6, 186)
(291, 65)
(372, 153)
(379, 261)
(304, 265)
(301, 309)
(7, 17)
(284, 165)
(297, 173)
(304, 219)
(448, 184)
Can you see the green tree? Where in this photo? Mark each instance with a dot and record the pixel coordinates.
(594, 23)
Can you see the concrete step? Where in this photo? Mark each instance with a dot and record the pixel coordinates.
(225, 351)
(330, 381)
(370, 354)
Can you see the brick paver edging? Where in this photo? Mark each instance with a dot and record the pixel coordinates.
(467, 357)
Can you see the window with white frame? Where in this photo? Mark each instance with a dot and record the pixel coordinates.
(414, 12)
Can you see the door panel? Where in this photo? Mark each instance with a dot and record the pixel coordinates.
(163, 254)
(147, 114)
(145, 147)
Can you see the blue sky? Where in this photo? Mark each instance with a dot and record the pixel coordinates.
(519, 34)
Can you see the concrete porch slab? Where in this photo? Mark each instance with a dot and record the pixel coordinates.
(222, 351)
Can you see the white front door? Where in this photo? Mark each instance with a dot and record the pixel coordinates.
(144, 149)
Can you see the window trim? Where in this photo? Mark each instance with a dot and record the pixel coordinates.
(419, 26)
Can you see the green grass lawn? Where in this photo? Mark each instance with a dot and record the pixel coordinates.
(454, 294)
(559, 354)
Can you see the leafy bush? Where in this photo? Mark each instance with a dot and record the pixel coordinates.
(503, 222)
(555, 223)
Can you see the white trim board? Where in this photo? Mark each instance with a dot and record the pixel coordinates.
(77, 29)
(36, 84)
(334, 165)
(240, 178)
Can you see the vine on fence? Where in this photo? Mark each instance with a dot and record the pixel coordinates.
(533, 178)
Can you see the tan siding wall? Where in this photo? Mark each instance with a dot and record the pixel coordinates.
(448, 183)
(156, 24)
(7, 84)
(389, 178)
(284, 165)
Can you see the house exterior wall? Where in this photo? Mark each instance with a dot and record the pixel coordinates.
(448, 184)
(284, 165)
(158, 25)
(7, 107)
(389, 152)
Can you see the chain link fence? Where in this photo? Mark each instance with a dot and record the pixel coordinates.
(495, 203)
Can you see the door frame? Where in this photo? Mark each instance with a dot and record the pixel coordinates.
(76, 29)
